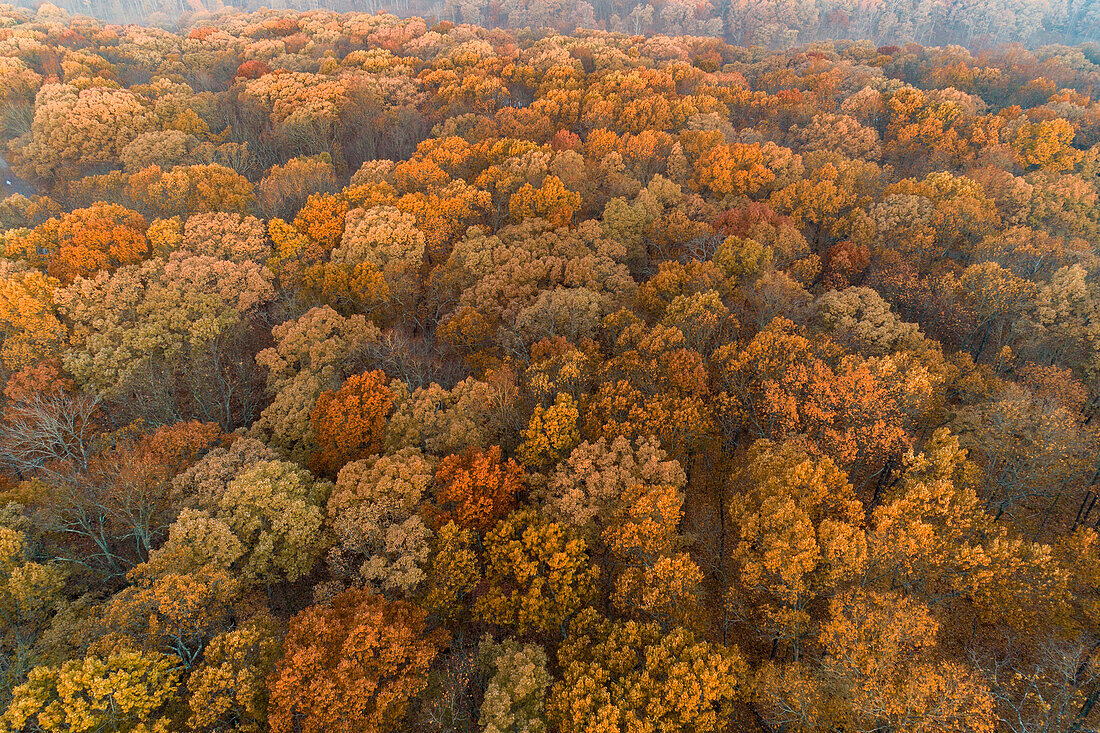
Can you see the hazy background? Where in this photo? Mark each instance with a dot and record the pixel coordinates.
(772, 23)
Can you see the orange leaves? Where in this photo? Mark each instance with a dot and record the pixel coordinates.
(733, 170)
(551, 201)
(780, 384)
(103, 236)
(252, 69)
(477, 488)
(322, 219)
(1046, 145)
(352, 667)
(350, 423)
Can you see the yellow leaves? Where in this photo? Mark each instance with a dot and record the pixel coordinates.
(587, 489)
(1046, 144)
(537, 575)
(442, 421)
(388, 239)
(159, 311)
(800, 532)
(878, 669)
(73, 128)
(550, 434)
(229, 688)
(453, 572)
(876, 635)
(273, 508)
(123, 691)
(29, 591)
(322, 219)
(175, 612)
(514, 697)
(780, 384)
(311, 354)
(625, 676)
(551, 201)
(381, 539)
(29, 328)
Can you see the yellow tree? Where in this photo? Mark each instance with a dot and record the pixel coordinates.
(122, 690)
(537, 575)
(29, 328)
(625, 676)
(799, 537)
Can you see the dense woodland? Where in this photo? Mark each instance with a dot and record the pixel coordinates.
(369, 374)
(773, 23)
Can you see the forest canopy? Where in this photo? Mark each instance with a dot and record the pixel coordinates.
(367, 373)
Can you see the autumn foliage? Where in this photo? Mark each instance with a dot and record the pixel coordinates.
(717, 366)
(350, 422)
(354, 666)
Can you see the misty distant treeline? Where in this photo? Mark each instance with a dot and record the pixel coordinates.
(771, 23)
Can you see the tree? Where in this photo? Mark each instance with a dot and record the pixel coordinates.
(388, 239)
(477, 488)
(626, 675)
(550, 434)
(859, 319)
(49, 426)
(312, 353)
(101, 237)
(879, 668)
(286, 188)
(30, 593)
(162, 148)
(654, 385)
(188, 317)
(537, 575)
(273, 508)
(875, 643)
(114, 508)
(262, 517)
(29, 328)
(228, 690)
(453, 571)
(515, 696)
(654, 578)
(780, 384)
(444, 421)
(381, 539)
(350, 423)
(551, 201)
(122, 690)
(226, 236)
(351, 666)
(798, 537)
(174, 613)
(73, 128)
(190, 189)
(1046, 144)
(733, 170)
(932, 538)
(586, 489)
